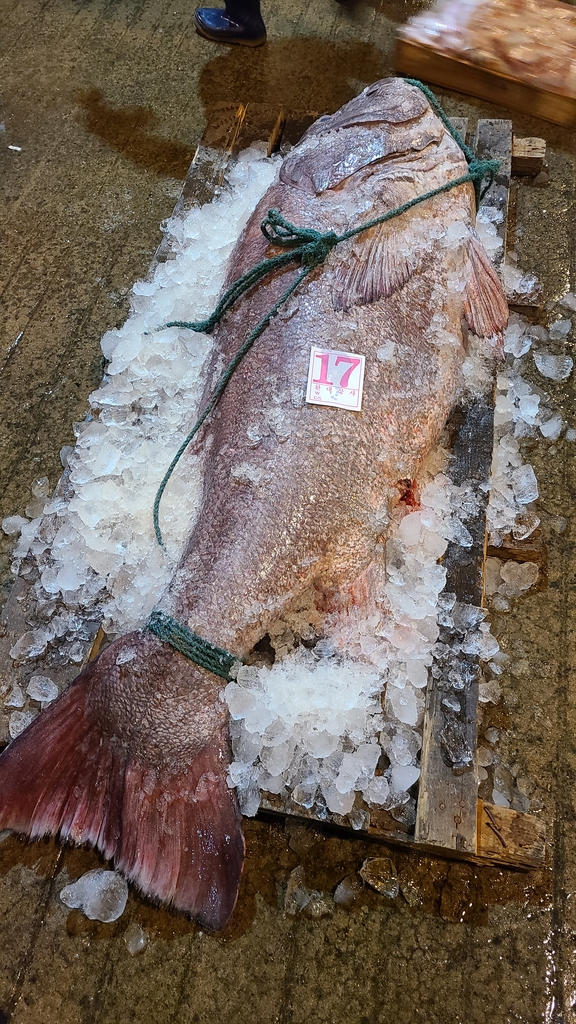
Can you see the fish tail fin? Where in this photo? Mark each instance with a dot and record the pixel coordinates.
(109, 768)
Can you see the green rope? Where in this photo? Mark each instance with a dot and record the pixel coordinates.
(194, 647)
(308, 248)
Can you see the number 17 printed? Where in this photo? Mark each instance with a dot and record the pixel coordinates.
(335, 378)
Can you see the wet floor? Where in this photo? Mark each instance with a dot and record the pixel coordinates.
(106, 102)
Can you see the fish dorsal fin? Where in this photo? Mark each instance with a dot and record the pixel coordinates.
(486, 309)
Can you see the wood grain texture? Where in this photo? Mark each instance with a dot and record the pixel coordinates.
(447, 797)
(509, 836)
(528, 156)
(440, 69)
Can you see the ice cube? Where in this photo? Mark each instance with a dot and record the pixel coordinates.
(380, 874)
(12, 525)
(485, 756)
(18, 721)
(404, 705)
(249, 800)
(528, 407)
(348, 889)
(525, 484)
(16, 698)
(43, 689)
(499, 799)
(568, 301)
(489, 692)
(559, 330)
(403, 776)
(524, 525)
(339, 803)
(100, 895)
(553, 367)
(377, 791)
(30, 645)
(552, 428)
(516, 342)
(297, 896)
(135, 939)
(518, 577)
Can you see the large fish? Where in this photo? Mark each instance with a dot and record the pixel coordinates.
(132, 758)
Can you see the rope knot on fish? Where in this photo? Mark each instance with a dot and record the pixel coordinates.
(314, 246)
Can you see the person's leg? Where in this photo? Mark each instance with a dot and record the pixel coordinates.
(240, 22)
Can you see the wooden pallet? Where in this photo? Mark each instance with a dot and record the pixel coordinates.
(451, 820)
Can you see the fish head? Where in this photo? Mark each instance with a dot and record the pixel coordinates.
(391, 122)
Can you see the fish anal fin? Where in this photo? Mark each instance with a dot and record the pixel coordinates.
(172, 828)
(485, 307)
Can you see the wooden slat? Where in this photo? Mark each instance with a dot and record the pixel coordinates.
(530, 550)
(510, 837)
(494, 142)
(448, 791)
(439, 69)
(296, 123)
(528, 156)
(506, 837)
(447, 797)
(229, 130)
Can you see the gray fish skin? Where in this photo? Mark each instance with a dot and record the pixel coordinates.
(133, 757)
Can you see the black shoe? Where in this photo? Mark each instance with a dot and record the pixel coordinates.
(214, 24)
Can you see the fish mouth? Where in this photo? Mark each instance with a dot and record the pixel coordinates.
(390, 121)
(389, 101)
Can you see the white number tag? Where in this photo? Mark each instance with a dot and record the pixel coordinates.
(335, 378)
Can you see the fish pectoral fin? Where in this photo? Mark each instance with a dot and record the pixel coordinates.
(170, 824)
(485, 305)
(378, 265)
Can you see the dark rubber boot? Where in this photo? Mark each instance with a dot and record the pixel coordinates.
(239, 24)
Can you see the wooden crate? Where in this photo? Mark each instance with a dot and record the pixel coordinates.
(427, 64)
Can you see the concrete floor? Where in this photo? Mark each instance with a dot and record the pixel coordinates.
(107, 99)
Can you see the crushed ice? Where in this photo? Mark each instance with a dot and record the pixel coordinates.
(96, 547)
(313, 727)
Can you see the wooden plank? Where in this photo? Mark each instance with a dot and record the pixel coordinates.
(296, 123)
(494, 142)
(532, 549)
(510, 837)
(506, 838)
(448, 793)
(528, 156)
(462, 76)
(231, 129)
